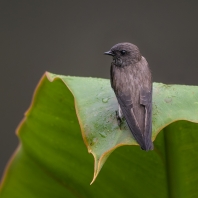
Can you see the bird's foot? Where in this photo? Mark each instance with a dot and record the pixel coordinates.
(119, 119)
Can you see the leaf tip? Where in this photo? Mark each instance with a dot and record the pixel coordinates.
(49, 76)
(95, 167)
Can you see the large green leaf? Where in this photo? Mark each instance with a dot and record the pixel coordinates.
(52, 161)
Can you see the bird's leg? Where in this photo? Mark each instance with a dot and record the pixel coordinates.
(119, 116)
(119, 120)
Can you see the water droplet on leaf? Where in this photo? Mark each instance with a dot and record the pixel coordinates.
(105, 100)
(168, 100)
(103, 134)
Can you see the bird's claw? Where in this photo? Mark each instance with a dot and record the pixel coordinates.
(119, 120)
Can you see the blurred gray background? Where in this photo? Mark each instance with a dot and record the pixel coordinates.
(69, 38)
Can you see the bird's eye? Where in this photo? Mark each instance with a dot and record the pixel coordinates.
(123, 52)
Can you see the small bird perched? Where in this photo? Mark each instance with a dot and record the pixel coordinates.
(132, 84)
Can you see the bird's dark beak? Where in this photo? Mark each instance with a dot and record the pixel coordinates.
(109, 53)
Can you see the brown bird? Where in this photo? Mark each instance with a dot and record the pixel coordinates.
(132, 84)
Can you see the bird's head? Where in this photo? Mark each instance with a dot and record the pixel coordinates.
(124, 54)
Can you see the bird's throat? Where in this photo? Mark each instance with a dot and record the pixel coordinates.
(117, 62)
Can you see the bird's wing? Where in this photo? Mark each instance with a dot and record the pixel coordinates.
(146, 101)
(126, 106)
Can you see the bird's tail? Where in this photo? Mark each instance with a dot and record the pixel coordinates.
(147, 146)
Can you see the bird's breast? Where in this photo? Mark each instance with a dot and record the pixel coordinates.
(132, 77)
(126, 79)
